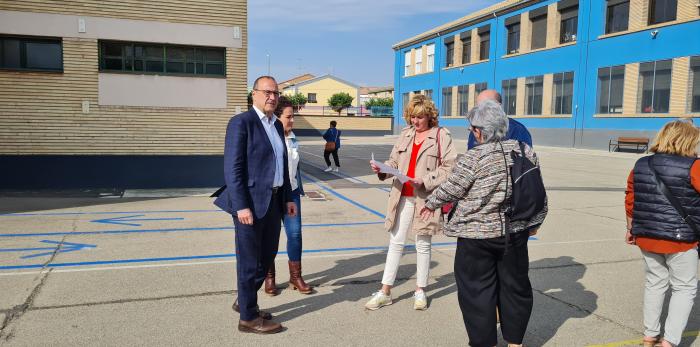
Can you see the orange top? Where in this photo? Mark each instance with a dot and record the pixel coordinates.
(656, 245)
(408, 187)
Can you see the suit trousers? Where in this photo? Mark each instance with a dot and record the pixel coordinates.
(256, 248)
(488, 277)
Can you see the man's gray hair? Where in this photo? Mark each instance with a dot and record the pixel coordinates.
(488, 115)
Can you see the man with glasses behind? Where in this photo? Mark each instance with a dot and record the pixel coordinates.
(257, 194)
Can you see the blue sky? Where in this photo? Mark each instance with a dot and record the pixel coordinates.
(351, 39)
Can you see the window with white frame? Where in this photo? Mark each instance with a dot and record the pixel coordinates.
(430, 61)
(533, 95)
(419, 61)
(509, 91)
(655, 86)
(446, 102)
(407, 64)
(611, 82)
(563, 92)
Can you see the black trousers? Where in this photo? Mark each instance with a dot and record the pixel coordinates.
(256, 249)
(326, 155)
(486, 279)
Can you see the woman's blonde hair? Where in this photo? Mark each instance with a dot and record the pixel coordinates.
(679, 137)
(421, 105)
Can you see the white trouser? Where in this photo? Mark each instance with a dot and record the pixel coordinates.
(397, 239)
(680, 270)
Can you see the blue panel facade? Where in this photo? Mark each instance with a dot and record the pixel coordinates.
(583, 58)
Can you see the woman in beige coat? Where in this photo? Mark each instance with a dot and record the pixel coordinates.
(425, 153)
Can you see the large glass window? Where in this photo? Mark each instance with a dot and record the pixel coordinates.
(539, 31)
(513, 38)
(466, 50)
(428, 93)
(31, 54)
(449, 53)
(484, 46)
(463, 94)
(419, 60)
(510, 93)
(569, 25)
(611, 83)
(617, 18)
(407, 64)
(695, 87)
(430, 63)
(655, 86)
(533, 95)
(563, 92)
(661, 11)
(446, 102)
(478, 88)
(161, 59)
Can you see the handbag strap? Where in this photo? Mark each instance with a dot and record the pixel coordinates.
(439, 147)
(672, 199)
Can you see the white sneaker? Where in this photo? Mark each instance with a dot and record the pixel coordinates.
(329, 169)
(420, 301)
(378, 300)
(336, 169)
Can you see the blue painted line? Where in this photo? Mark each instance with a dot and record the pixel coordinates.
(97, 213)
(125, 219)
(343, 197)
(213, 256)
(169, 230)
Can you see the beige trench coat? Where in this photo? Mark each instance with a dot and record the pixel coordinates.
(426, 168)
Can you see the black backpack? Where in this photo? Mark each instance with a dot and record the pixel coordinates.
(529, 195)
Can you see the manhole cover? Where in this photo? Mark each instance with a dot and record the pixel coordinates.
(314, 195)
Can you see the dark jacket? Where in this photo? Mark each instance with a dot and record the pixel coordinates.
(249, 166)
(516, 131)
(653, 215)
(333, 134)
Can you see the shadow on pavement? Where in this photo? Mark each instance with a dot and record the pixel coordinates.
(14, 201)
(563, 287)
(346, 288)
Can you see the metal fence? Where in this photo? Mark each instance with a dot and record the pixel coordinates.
(362, 111)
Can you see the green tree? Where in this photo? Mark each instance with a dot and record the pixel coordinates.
(298, 100)
(340, 101)
(382, 102)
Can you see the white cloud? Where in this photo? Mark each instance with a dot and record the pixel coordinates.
(349, 15)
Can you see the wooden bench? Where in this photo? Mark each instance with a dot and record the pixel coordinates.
(639, 143)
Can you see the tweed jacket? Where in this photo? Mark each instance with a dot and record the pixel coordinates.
(426, 168)
(478, 186)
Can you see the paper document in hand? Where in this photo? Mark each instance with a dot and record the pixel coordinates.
(383, 168)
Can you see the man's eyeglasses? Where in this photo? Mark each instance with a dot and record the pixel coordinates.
(269, 93)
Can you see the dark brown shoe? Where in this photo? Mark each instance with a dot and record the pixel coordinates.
(259, 326)
(270, 285)
(262, 314)
(295, 280)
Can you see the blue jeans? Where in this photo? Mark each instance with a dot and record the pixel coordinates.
(292, 226)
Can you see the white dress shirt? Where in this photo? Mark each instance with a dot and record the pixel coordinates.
(292, 159)
(277, 145)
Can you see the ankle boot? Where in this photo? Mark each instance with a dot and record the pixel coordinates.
(270, 286)
(295, 280)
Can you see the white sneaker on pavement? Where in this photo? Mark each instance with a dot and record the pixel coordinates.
(378, 300)
(336, 169)
(329, 169)
(420, 301)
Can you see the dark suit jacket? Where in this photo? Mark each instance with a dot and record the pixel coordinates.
(249, 166)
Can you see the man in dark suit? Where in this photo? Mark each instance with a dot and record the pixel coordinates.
(257, 195)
